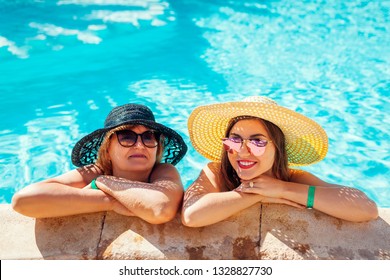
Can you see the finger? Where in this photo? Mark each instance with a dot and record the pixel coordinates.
(247, 182)
(249, 190)
(240, 187)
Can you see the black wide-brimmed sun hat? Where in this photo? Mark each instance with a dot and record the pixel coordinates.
(86, 149)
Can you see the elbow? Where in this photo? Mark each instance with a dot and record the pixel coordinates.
(18, 204)
(24, 202)
(367, 214)
(15, 202)
(371, 213)
(188, 218)
(163, 215)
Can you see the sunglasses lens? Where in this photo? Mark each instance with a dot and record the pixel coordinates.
(258, 142)
(231, 145)
(255, 150)
(149, 139)
(127, 138)
(255, 146)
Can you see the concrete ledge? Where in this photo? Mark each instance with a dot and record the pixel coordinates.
(259, 232)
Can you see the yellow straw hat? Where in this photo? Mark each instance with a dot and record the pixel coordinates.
(306, 140)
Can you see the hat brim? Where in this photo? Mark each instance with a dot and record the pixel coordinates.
(86, 149)
(306, 140)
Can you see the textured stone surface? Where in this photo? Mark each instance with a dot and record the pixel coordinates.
(309, 234)
(259, 232)
(73, 237)
(235, 238)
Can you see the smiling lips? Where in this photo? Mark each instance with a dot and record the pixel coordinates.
(246, 164)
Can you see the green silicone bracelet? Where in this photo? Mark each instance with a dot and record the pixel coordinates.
(93, 184)
(310, 197)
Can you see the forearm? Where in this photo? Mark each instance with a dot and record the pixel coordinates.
(153, 202)
(54, 200)
(205, 209)
(341, 202)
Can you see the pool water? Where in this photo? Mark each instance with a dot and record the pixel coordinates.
(64, 65)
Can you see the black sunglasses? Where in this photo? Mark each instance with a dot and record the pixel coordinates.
(128, 138)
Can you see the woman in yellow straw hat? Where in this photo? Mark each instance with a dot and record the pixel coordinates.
(127, 167)
(252, 144)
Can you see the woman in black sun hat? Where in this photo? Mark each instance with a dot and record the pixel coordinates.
(127, 167)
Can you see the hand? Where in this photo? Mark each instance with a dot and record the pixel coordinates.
(263, 185)
(268, 189)
(120, 209)
(116, 205)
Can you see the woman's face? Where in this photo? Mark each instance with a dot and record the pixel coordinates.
(245, 162)
(135, 158)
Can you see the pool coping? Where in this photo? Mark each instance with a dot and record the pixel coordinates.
(268, 232)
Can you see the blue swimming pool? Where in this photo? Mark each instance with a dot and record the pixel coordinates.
(64, 64)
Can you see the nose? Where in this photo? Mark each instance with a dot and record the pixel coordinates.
(244, 147)
(138, 142)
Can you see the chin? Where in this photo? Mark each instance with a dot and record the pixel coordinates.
(246, 177)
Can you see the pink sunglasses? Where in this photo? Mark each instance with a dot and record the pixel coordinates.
(255, 146)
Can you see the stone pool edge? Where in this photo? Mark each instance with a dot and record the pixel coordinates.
(270, 232)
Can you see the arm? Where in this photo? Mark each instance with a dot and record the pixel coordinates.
(156, 202)
(64, 195)
(339, 201)
(206, 203)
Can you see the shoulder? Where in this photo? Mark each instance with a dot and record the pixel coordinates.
(212, 170)
(214, 167)
(305, 177)
(164, 171)
(210, 176)
(91, 169)
(297, 175)
(77, 177)
(163, 167)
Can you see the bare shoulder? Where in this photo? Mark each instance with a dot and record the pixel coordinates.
(208, 179)
(213, 172)
(91, 170)
(305, 177)
(164, 170)
(164, 166)
(78, 177)
(214, 167)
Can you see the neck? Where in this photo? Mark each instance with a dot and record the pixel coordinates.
(139, 176)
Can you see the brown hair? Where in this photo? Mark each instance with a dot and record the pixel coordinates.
(103, 161)
(229, 176)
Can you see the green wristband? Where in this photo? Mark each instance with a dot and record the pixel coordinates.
(93, 184)
(310, 197)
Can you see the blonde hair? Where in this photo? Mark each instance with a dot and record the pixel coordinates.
(103, 160)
